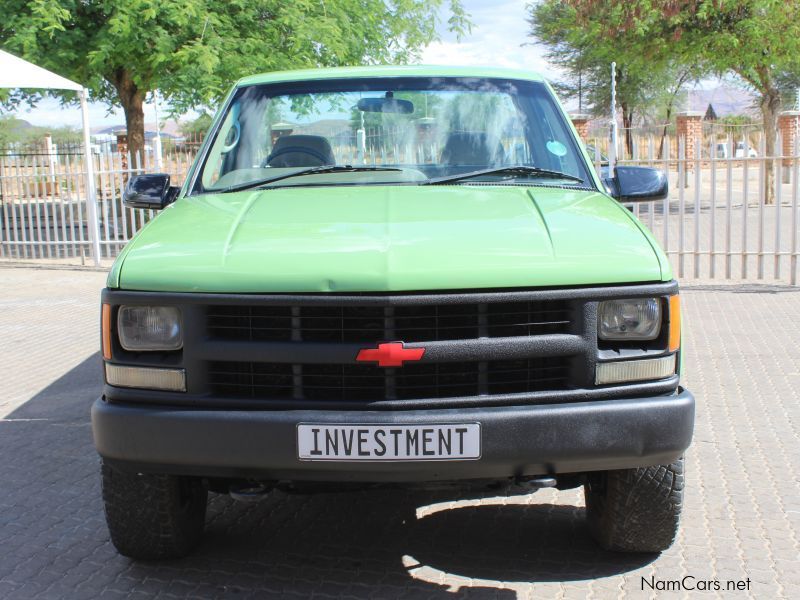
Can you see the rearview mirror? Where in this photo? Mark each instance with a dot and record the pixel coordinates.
(637, 184)
(385, 105)
(149, 191)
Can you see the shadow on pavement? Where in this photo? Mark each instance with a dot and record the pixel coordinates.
(369, 543)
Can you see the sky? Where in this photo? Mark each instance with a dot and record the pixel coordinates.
(498, 38)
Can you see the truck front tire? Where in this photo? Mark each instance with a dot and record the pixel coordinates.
(152, 517)
(636, 510)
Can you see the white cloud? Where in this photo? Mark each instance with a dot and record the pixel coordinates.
(499, 38)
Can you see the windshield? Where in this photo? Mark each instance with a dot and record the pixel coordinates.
(391, 131)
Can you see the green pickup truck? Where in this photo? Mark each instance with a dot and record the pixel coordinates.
(391, 276)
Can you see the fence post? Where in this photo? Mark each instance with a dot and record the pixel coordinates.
(581, 123)
(787, 126)
(51, 155)
(122, 150)
(690, 128)
(91, 191)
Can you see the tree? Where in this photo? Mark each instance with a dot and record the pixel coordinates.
(758, 40)
(672, 95)
(18, 131)
(12, 130)
(196, 127)
(584, 52)
(192, 50)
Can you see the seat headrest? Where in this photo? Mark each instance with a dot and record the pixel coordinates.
(470, 149)
(301, 151)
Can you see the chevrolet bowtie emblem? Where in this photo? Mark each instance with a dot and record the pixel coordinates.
(390, 354)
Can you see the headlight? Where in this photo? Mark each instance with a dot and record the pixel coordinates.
(150, 328)
(629, 319)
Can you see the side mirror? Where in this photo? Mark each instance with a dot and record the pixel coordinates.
(637, 184)
(149, 191)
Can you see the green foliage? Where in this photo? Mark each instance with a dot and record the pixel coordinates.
(584, 52)
(735, 120)
(197, 127)
(18, 131)
(193, 50)
(758, 40)
(647, 87)
(10, 130)
(753, 38)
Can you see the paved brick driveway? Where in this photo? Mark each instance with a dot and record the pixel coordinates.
(742, 517)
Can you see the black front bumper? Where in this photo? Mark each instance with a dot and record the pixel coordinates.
(516, 440)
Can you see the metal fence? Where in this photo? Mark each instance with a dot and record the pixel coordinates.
(43, 203)
(714, 225)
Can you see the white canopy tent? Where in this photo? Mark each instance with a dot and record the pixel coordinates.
(18, 73)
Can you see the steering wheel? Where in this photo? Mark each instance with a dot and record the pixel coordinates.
(296, 150)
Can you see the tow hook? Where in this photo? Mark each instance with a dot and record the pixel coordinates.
(249, 491)
(538, 482)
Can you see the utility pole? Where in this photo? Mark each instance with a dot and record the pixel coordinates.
(157, 142)
(612, 154)
(361, 142)
(91, 190)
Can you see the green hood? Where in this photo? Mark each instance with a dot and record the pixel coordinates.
(389, 238)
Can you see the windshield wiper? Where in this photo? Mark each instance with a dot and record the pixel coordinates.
(309, 171)
(510, 172)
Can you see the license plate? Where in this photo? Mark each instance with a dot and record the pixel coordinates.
(445, 441)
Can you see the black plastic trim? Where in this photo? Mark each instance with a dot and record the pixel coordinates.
(441, 351)
(516, 440)
(409, 298)
(117, 395)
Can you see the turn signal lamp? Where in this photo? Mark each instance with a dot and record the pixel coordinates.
(106, 328)
(171, 380)
(674, 323)
(626, 371)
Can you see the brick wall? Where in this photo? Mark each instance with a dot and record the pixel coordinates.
(581, 123)
(690, 129)
(787, 125)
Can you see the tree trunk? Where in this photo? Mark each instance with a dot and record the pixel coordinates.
(673, 96)
(132, 100)
(627, 123)
(770, 104)
(664, 132)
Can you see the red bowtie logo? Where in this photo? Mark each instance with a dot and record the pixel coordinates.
(390, 354)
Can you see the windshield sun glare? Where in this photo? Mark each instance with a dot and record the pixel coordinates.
(391, 131)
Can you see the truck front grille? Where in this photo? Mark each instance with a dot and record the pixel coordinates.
(368, 324)
(291, 351)
(371, 383)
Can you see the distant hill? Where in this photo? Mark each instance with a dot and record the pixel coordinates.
(726, 99)
(14, 124)
(325, 127)
(170, 128)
